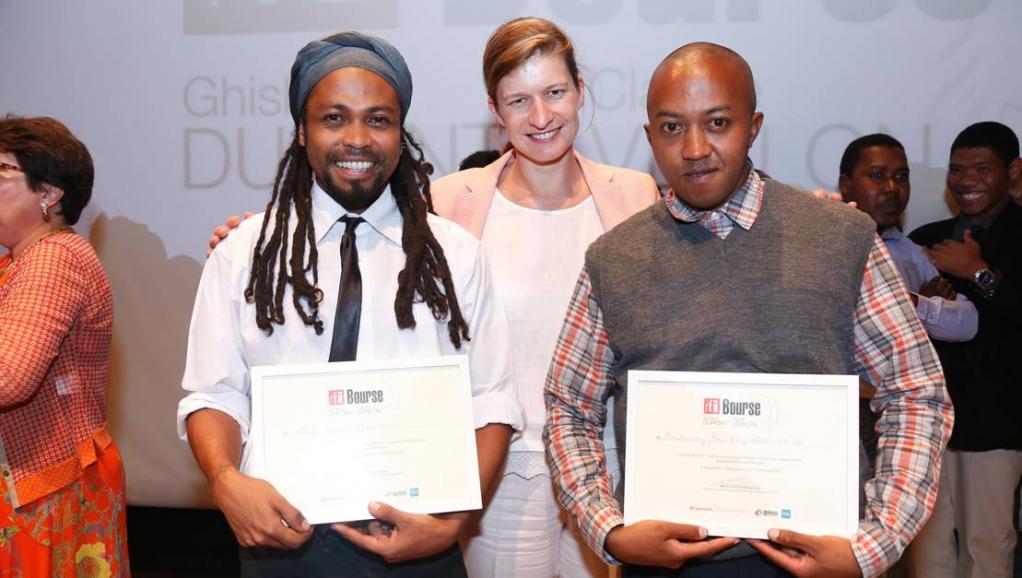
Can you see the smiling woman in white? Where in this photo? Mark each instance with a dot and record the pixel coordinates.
(536, 209)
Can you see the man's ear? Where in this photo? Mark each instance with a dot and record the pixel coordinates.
(1015, 172)
(755, 126)
(843, 186)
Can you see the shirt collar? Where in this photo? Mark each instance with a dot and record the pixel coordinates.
(742, 208)
(383, 215)
(891, 234)
(964, 222)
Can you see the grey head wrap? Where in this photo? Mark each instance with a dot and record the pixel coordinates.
(342, 50)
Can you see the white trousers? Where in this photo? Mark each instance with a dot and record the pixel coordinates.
(976, 498)
(525, 534)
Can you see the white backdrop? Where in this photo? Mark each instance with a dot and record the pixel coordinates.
(184, 107)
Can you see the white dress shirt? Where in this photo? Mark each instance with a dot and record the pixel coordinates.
(943, 319)
(224, 341)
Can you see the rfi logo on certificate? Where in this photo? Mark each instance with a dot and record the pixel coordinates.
(336, 397)
(711, 405)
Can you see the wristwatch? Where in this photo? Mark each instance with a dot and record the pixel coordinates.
(986, 281)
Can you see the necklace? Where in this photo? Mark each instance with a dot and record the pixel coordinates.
(7, 261)
(5, 264)
(58, 231)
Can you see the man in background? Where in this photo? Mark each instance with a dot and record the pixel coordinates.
(875, 176)
(980, 252)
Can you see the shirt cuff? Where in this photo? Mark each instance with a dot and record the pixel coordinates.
(926, 309)
(234, 403)
(873, 550)
(600, 520)
(497, 407)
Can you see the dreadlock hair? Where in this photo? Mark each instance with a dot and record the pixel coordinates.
(292, 187)
(425, 264)
(425, 277)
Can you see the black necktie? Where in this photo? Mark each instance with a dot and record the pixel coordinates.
(344, 346)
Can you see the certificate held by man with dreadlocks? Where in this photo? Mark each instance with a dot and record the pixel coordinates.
(333, 437)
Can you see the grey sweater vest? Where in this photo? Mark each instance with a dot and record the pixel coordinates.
(778, 298)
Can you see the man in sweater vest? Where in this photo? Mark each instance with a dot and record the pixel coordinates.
(737, 272)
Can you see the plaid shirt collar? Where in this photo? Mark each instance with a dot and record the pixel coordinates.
(741, 209)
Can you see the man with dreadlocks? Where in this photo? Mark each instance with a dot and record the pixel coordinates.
(352, 180)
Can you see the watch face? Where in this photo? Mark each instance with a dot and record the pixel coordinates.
(983, 277)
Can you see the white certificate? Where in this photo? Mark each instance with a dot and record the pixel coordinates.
(740, 453)
(332, 437)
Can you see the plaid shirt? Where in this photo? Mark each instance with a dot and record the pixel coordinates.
(891, 350)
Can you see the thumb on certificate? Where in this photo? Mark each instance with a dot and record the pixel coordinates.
(292, 517)
(703, 549)
(803, 542)
(686, 532)
(388, 513)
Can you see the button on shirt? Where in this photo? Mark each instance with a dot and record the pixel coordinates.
(224, 341)
(888, 351)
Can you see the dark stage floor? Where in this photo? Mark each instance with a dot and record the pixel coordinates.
(177, 542)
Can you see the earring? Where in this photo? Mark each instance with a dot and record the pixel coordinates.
(46, 211)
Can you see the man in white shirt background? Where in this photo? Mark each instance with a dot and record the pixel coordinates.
(875, 175)
(346, 231)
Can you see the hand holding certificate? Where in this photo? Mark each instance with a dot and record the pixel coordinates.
(413, 535)
(823, 556)
(662, 544)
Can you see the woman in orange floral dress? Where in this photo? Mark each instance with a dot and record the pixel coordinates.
(61, 480)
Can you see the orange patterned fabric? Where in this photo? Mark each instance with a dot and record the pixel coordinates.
(5, 271)
(56, 313)
(78, 530)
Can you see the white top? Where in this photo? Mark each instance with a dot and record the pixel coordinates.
(223, 341)
(536, 256)
(944, 320)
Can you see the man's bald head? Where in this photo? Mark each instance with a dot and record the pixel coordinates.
(709, 58)
(702, 114)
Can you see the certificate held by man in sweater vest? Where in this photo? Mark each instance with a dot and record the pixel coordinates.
(740, 453)
(332, 437)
